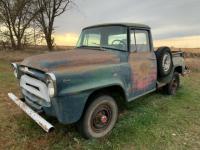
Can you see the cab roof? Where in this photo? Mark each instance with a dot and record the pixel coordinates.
(134, 25)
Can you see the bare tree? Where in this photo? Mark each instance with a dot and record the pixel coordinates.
(5, 17)
(51, 10)
(16, 16)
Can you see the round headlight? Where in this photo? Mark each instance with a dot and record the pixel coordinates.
(51, 84)
(15, 69)
(51, 89)
(15, 72)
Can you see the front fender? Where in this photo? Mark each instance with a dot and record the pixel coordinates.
(75, 88)
(101, 76)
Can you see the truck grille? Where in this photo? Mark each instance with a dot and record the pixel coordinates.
(34, 91)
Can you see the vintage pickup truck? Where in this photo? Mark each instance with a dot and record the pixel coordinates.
(111, 63)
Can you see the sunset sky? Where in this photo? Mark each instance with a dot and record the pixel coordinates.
(173, 22)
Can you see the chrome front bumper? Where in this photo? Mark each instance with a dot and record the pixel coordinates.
(35, 116)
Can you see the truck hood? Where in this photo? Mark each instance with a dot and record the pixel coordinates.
(55, 61)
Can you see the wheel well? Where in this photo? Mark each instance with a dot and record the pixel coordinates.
(178, 69)
(115, 91)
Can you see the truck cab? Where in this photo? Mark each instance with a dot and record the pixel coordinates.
(112, 62)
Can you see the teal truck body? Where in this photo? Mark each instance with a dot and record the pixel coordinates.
(117, 58)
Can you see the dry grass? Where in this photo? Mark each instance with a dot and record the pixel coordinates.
(189, 52)
(192, 50)
(14, 56)
(193, 64)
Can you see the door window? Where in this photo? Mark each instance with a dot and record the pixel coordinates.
(140, 41)
(133, 44)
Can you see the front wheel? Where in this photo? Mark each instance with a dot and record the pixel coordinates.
(99, 117)
(174, 84)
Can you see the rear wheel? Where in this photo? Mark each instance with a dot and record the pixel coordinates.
(172, 87)
(99, 118)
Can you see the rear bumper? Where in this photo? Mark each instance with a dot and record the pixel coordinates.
(31, 113)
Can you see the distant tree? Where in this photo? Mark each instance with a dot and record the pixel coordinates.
(16, 16)
(51, 10)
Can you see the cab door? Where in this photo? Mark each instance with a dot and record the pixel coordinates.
(142, 61)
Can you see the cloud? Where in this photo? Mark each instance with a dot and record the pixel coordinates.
(181, 42)
(168, 19)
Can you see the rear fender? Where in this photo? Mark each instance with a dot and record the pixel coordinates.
(168, 78)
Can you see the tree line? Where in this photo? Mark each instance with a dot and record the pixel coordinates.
(20, 19)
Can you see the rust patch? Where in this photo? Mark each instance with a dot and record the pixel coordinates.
(78, 57)
(78, 69)
(144, 71)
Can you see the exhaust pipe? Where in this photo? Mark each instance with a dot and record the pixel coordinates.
(36, 117)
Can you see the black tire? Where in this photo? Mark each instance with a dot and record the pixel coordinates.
(99, 117)
(164, 61)
(174, 84)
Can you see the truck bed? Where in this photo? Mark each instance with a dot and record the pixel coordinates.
(178, 53)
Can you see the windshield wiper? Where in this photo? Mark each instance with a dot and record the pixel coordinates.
(101, 47)
(93, 47)
(106, 48)
(112, 48)
(82, 46)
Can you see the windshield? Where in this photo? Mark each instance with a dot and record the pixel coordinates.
(106, 37)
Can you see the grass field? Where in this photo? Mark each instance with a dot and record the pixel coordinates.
(155, 121)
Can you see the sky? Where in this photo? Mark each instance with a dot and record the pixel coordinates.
(169, 19)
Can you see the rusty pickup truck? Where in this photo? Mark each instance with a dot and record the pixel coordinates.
(111, 63)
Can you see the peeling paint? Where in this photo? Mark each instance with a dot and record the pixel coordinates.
(58, 61)
(143, 71)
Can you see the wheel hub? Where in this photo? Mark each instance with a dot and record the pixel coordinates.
(104, 119)
(166, 62)
(101, 118)
(174, 85)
